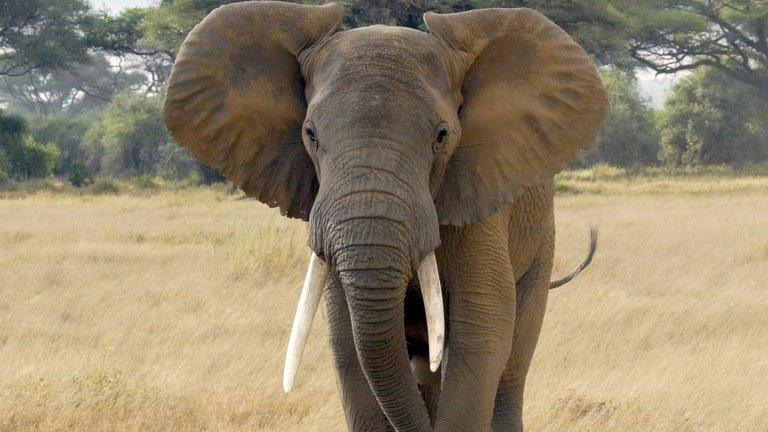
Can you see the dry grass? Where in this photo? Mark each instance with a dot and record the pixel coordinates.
(170, 310)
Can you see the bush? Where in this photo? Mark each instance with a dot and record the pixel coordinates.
(67, 133)
(22, 157)
(5, 178)
(145, 182)
(36, 160)
(5, 163)
(80, 175)
(104, 187)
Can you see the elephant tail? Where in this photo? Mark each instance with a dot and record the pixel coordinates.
(592, 248)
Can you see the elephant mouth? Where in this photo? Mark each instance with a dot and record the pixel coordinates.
(309, 300)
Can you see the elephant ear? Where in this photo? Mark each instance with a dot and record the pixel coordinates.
(235, 97)
(532, 99)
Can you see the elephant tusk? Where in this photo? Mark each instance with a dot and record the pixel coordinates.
(314, 283)
(432, 293)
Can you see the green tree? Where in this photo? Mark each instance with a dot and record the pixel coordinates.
(596, 24)
(176, 163)
(80, 175)
(67, 133)
(130, 139)
(130, 134)
(670, 36)
(41, 34)
(628, 137)
(710, 119)
(70, 54)
(125, 37)
(93, 145)
(21, 157)
(72, 89)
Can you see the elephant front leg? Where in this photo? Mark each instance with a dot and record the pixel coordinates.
(362, 412)
(481, 303)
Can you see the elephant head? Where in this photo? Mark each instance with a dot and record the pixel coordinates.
(377, 136)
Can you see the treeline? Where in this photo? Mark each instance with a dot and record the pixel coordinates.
(126, 139)
(81, 89)
(707, 119)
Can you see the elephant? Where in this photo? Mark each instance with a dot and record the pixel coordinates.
(424, 163)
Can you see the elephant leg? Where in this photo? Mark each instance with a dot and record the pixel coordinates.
(481, 317)
(532, 291)
(361, 409)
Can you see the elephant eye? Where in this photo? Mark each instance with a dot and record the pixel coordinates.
(440, 137)
(309, 131)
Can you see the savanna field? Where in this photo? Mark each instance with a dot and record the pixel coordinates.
(142, 307)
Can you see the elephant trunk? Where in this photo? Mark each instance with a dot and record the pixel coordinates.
(376, 297)
(374, 227)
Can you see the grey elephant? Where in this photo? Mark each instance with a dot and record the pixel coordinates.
(424, 164)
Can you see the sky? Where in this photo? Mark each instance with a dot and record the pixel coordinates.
(118, 5)
(652, 87)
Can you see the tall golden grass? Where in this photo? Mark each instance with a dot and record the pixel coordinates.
(170, 310)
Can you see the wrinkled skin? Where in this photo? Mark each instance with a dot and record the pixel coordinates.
(494, 318)
(394, 143)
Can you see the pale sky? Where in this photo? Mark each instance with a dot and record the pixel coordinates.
(655, 87)
(118, 5)
(652, 87)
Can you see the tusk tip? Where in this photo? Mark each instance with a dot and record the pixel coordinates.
(287, 387)
(434, 366)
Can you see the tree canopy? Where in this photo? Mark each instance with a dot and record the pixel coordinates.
(37, 34)
(596, 24)
(21, 157)
(709, 119)
(670, 36)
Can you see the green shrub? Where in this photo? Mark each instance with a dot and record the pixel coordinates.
(104, 186)
(22, 157)
(80, 175)
(5, 163)
(67, 133)
(38, 160)
(145, 182)
(5, 178)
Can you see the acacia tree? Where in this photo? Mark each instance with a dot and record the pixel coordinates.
(596, 24)
(65, 38)
(670, 36)
(124, 38)
(71, 89)
(40, 34)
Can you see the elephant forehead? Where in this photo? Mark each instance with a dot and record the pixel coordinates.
(382, 77)
(411, 56)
